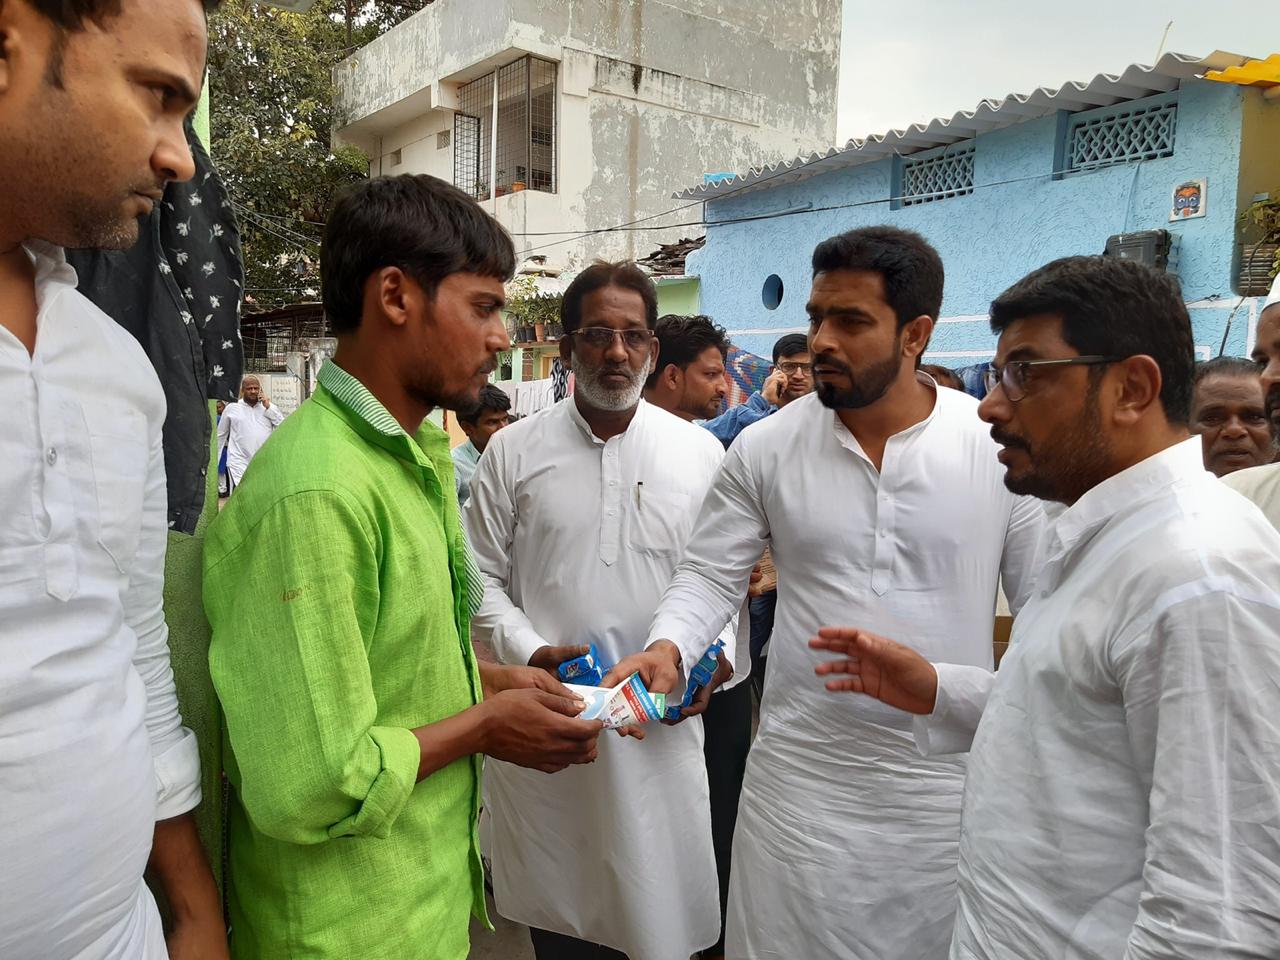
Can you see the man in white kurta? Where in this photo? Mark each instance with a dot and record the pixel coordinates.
(846, 837)
(1124, 793)
(245, 426)
(577, 538)
(92, 749)
(1123, 797)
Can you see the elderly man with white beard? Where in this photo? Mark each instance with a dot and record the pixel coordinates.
(578, 516)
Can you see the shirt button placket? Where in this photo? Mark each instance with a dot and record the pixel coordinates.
(882, 564)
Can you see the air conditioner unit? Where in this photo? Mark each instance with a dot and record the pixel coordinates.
(1155, 248)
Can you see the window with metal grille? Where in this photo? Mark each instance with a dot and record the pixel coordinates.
(1125, 133)
(443, 139)
(936, 174)
(518, 151)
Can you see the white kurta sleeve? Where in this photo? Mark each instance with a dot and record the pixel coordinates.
(1201, 688)
(273, 415)
(490, 519)
(224, 429)
(962, 696)
(175, 755)
(728, 538)
(1020, 562)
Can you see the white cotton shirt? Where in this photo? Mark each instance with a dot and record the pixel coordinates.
(1123, 800)
(92, 750)
(243, 430)
(846, 839)
(1262, 486)
(577, 538)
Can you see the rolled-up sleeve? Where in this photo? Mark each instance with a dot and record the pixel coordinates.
(175, 754)
(292, 606)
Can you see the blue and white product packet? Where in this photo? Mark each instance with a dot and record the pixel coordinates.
(699, 677)
(625, 705)
(587, 670)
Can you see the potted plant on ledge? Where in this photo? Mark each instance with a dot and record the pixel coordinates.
(1260, 260)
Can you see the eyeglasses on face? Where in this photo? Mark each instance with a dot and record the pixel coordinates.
(791, 367)
(601, 338)
(1013, 375)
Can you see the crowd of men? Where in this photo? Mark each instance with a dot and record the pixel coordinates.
(1113, 790)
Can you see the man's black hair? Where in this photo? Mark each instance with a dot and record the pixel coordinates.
(428, 228)
(789, 346)
(72, 16)
(1228, 367)
(491, 398)
(910, 268)
(1112, 307)
(682, 340)
(599, 275)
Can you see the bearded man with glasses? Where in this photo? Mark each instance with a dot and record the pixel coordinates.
(1122, 796)
(578, 516)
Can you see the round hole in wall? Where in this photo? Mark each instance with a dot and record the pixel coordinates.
(771, 294)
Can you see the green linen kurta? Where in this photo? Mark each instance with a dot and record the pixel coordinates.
(336, 582)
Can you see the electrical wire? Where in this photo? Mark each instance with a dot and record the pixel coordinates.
(295, 240)
(273, 216)
(768, 216)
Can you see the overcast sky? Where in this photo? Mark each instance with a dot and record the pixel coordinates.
(912, 60)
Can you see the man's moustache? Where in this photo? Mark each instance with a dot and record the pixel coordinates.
(825, 361)
(1008, 440)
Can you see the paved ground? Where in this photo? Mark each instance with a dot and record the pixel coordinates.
(509, 941)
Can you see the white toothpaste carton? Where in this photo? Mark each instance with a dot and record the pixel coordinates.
(625, 705)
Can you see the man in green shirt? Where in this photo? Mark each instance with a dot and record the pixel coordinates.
(339, 587)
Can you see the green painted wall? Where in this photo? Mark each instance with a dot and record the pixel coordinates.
(680, 297)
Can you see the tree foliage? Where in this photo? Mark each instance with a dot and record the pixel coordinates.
(271, 102)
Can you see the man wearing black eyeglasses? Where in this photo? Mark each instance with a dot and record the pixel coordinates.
(578, 516)
(1122, 797)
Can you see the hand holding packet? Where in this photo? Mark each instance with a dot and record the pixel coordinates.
(587, 670)
(699, 677)
(625, 705)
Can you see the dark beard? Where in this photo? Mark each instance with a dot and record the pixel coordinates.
(1075, 461)
(865, 388)
(429, 391)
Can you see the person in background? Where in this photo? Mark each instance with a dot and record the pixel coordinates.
(224, 483)
(1262, 484)
(943, 376)
(689, 381)
(789, 380)
(245, 427)
(1229, 412)
(490, 414)
(578, 516)
(689, 377)
(98, 775)
(847, 838)
(340, 589)
(1122, 797)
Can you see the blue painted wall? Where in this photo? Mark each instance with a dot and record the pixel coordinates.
(1017, 219)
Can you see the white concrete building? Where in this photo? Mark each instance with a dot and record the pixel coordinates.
(577, 115)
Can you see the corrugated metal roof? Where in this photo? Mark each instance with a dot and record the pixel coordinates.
(1255, 73)
(1137, 81)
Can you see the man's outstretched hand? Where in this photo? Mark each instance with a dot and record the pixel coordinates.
(549, 658)
(496, 677)
(659, 668)
(724, 671)
(878, 667)
(537, 729)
